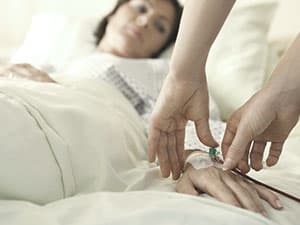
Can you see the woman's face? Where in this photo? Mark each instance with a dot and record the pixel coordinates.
(139, 28)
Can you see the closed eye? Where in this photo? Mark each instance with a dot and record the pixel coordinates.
(160, 27)
(143, 9)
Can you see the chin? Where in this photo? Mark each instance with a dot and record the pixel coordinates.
(127, 47)
(125, 52)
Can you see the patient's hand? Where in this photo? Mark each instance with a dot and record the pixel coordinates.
(24, 71)
(226, 187)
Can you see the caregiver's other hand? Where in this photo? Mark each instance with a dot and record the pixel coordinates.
(226, 187)
(24, 71)
(180, 100)
(266, 117)
(270, 116)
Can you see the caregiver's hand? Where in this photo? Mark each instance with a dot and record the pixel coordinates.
(226, 187)
(270, 115)
(267, 116)
(179, 101)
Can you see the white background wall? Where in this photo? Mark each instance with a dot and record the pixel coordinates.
(15, 17)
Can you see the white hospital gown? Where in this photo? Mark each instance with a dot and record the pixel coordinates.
(115, 71)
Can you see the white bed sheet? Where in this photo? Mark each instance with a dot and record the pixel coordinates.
(134, 208)
(146, 198)
(155, 207)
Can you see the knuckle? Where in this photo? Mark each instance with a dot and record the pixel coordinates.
(211, 173)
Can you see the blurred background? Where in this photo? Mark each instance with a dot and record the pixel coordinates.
(15, 17)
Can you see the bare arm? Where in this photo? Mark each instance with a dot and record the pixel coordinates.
(285, 80)
(184, 94)
(200, 24)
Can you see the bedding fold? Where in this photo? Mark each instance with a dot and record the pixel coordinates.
(65, 139)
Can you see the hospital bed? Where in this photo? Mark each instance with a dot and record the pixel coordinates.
(133, 191)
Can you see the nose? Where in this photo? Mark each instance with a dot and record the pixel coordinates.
(142, 20)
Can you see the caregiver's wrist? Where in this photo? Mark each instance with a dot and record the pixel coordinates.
(285, 79)
(179, 74)
(188, 69)
(285, 92)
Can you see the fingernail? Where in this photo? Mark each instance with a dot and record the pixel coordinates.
(278, 203)
(228, 164)
(216, 143)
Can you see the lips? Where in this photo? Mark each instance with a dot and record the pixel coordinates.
(134, 32)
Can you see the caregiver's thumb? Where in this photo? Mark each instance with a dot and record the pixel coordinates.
(204, 133)
(238, 145)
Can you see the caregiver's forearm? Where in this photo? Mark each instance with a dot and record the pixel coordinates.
(200, 24)
(285, 79)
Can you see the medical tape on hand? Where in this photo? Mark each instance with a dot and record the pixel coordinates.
(201, 160)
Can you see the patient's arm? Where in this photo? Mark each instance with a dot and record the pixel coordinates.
(24, 71)
(225, 186)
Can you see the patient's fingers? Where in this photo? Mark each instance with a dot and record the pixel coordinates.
(242, 193)
(256, 155)
(268, 195)
(172, 155)
(163, 155)
(223, 193)
(254, 199)
(213, 186)
(153, 143)
(180, 135)
(274, 153)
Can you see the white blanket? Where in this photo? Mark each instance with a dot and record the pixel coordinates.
(60, 140)
(134, 208)
(75, 138)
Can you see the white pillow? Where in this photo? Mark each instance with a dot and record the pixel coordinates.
(237, 61)
(55, 39)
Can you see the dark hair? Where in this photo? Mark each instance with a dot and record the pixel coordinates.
(100, 30)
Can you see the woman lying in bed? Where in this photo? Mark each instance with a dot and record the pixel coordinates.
(143, 29)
